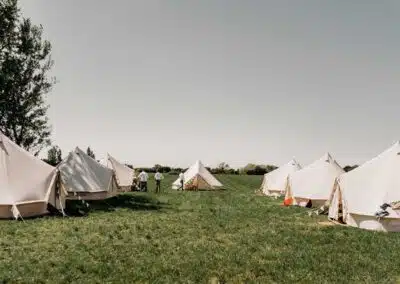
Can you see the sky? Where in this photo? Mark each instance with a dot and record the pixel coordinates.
(255, 81)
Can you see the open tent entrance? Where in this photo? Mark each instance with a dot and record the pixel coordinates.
(368, 196)
(197, 177)
(312, 185)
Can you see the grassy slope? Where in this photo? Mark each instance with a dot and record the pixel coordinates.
(193, 237)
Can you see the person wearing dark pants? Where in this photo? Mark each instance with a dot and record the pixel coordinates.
(158, 177)
(143, 177)
(143, 186)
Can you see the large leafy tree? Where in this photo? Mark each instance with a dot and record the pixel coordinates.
(25, 60)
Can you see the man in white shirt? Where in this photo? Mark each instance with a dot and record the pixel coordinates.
(158, 177)
(181, 179)
(143, 177)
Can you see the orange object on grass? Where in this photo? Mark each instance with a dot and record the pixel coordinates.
(288, 201)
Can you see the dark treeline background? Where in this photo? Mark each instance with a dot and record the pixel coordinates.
(54, 157)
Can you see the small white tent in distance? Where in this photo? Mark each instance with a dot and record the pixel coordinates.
(82, 177)
(123, 174)
(27, 184)
(313, 184)
(275, 182)
(198, 177)
(360, 193)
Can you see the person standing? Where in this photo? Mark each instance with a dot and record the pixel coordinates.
(182, 180)
(143, 177)
(158, 177)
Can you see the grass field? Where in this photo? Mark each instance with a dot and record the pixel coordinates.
(230, 236)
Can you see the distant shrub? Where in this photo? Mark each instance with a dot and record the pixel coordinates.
(349, 168)
(147, 170)
(252, 169)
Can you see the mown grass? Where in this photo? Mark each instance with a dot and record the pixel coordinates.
(230, 236)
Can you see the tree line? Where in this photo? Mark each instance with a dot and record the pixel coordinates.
(54, 157)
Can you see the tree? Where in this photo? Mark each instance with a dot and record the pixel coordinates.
(90, 153)
(223, 167)
(349, 168)
(270, 168)
(25, 60)
(54, 156)
(249, 167)
(253, 169)
(165, 169)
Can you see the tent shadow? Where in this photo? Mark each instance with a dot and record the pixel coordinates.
(77, 208)
(127, 201)
(207, 190)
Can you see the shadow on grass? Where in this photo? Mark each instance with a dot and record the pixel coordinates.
(127, 201)
(79, 208)
(222, 189)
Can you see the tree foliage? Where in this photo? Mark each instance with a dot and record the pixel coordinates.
(54, 156)
(253, 169)
(90, 153)
(349, 168)
(25, 60)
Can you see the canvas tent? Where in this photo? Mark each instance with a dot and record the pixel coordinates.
(123, 174)
(82, 177)
(360, 193)
(105, 162)
(274, 182)
(313, 183)
(27, 184)
(197, 176)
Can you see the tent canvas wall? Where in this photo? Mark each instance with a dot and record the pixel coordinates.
(360, 193)
(123, 174)
(275, 182)
(197, 176)
(313, 183)
(82, 177)
(105, 162)
(27, 184)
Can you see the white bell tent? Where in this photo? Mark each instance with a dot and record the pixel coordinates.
(360, 193)
(27, 184)
(82, 177)
(123, 174)
(198, 177)
(274, 182)
(105, 162)
(313, 183)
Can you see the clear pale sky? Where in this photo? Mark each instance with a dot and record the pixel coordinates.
(223, 80)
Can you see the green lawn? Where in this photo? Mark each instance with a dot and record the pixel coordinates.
(232, 236)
